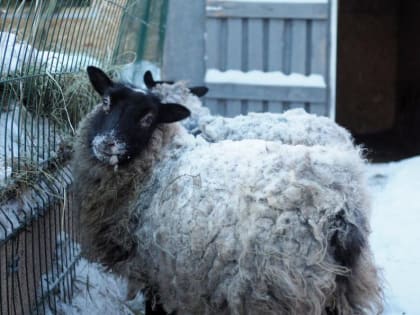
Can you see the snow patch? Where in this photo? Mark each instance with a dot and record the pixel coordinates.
(256, 77)
(291, 127)
(395, 232)
(21, 141)
(14, 54)
(281, 1)
(134, 72)
(19, 55)
(98, 292)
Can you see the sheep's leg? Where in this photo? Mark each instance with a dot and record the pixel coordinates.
(357, 292)
(329, 311)
(349, 239)
(153, 306)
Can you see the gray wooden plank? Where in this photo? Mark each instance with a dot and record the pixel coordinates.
(233, 108)
(244, 45)
(286, 105)
(225, 8)
(275, 44)
(222, 37)
(287, 47)
(234, 44)
(244, 107)
(212, 43)
(255, 44)
(297, 105)
(187, 50)
(266, 92)
(221, 107)
(212, 105)
(265, 106)
(265, 43)
(298, 62)
(274, 107)
(319, 47)
(255, 107)
(318, 109)
(255, 56)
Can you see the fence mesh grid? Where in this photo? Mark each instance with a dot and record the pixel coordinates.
(45, 47)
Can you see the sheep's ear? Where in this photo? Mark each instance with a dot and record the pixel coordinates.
(100, 81)
(148, 80)
(199, 90)
(172, 112)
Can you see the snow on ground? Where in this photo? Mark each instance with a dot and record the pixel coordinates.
(395, 241)
(24, 139)
(16, 55)
(396, 233)
(98, 292)
(13, 53)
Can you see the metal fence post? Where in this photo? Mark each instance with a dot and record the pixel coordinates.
(183, 57)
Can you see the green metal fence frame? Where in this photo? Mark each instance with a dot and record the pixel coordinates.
(32, 243)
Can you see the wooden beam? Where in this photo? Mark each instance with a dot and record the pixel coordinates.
(266, 92)
(281, 10)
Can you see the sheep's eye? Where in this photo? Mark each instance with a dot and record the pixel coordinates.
(147, 120)
(106, 104)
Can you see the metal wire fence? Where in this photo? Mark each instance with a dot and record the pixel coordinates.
(44, 48)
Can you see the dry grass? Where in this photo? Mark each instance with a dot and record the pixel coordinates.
(50, 96)
(47, 110)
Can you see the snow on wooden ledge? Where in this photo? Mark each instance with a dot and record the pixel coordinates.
(283, 1)
(275, 78)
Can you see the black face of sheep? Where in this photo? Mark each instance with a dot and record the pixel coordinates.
(150, 83)
(122, 129)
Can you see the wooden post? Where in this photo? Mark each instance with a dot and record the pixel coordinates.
(183, 57)
(332, 75)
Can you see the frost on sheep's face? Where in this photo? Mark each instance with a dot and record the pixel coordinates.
(127, 119)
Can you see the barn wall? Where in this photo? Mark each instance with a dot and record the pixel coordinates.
(367, 70)
(408, 110)
(409, 67)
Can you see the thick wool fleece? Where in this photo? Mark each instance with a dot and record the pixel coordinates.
(179, 93)
(291, 127)
(234, 227)
(245, 227)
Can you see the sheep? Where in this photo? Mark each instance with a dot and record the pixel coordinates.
(178, 92)
(230, 227)
(307, 130)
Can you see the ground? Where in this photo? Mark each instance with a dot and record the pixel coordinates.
(395, 232)
(395, 240)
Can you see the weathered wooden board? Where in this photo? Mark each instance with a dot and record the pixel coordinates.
(261, 9)
(266, 92)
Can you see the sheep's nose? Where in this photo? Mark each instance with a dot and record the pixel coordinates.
(112, 147)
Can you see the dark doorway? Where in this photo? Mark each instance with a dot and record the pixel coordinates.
(378, 75)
